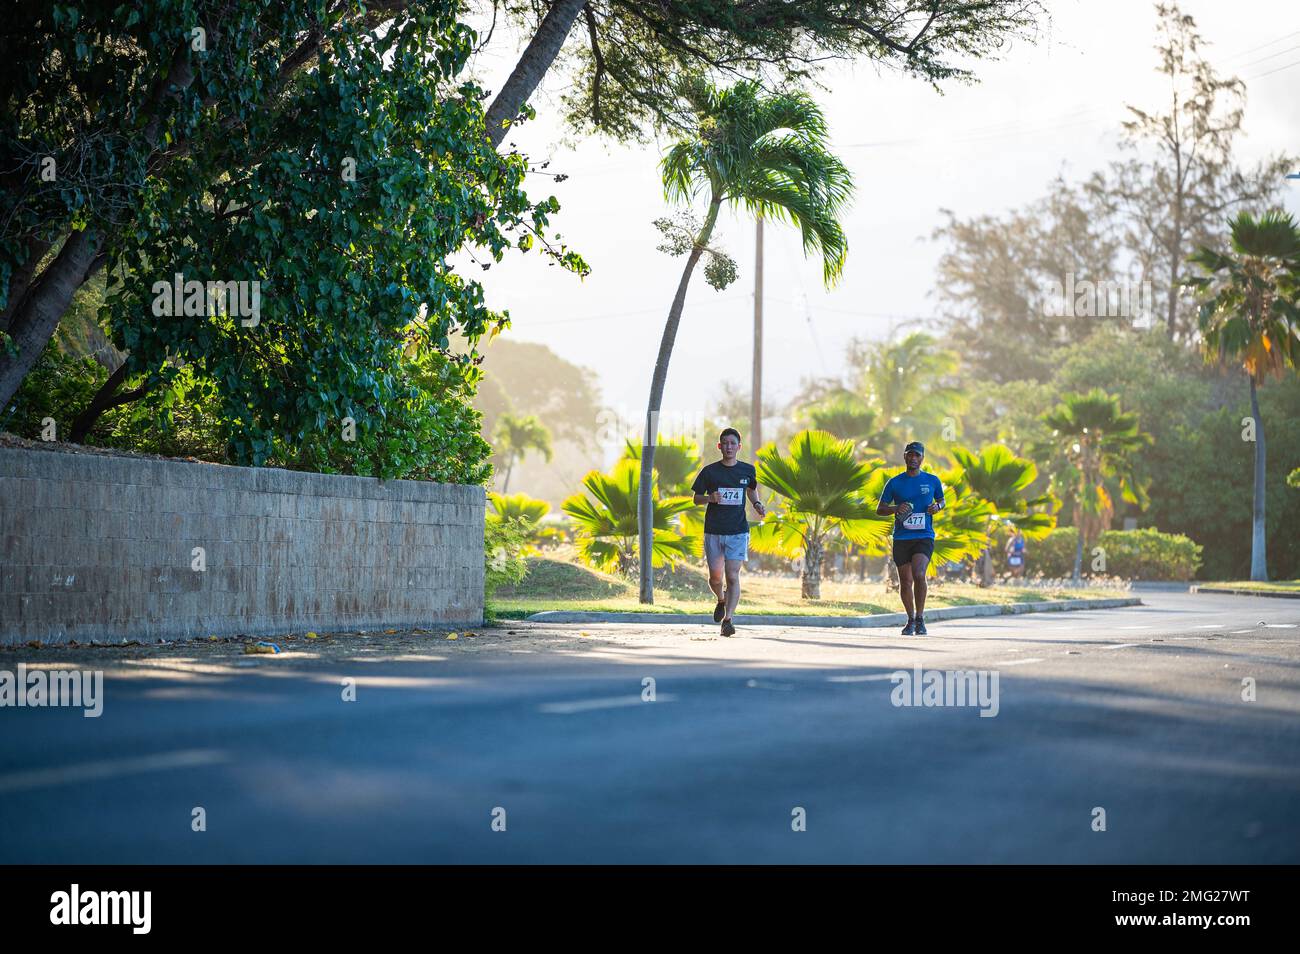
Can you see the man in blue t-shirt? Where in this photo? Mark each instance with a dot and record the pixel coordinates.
(913, 497)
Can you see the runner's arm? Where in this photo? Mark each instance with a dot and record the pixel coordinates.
(752, 493)
(938, 503)
(700, 485)
(886, 507)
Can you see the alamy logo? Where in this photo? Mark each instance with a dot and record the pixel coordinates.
(57, 687)
(946, 688)
(195, 299)
(1087, 299)
(102, 907)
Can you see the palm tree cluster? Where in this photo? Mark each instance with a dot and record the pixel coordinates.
(767, 153)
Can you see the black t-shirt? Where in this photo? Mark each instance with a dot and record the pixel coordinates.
(734, 481)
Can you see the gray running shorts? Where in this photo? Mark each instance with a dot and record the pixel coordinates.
(726, 546)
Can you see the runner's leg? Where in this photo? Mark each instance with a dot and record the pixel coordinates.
(716, 564)
(919, 564)
(905, 588)
(733, 586)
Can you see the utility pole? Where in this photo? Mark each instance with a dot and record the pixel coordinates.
(756, 392)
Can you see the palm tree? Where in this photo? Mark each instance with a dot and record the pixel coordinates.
(962, 527)
(520, 509)
(607, 525)
(825, 491)
(767, 154)
(1249, 316)
(1097, 441)
(845, 415)
(909, 384)
(519, 506)
(676, 462)
(997, 476)
(515, 436)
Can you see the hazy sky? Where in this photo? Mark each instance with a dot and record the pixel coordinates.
(1045, 108)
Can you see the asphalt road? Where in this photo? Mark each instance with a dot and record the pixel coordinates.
(1138, 712)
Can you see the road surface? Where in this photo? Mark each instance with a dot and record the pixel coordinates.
(1137, 712)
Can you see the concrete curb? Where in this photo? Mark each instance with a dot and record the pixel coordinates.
(850, 622)
(1227, 592)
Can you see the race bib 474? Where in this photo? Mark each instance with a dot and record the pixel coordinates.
(732, 496)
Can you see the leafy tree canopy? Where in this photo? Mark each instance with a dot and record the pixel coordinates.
(625, 58)
(325, 155)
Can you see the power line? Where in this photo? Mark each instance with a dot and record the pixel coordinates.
(627, 314)
(1272, 42)
(1007, 127)
(865, 314)
(1271, 56)
(808, 316)
(967, 138)
(1271, 72)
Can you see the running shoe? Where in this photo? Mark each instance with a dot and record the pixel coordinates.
(909, 629)
(728, 629)
(719, 611)
(920, 627)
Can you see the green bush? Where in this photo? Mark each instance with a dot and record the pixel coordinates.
(1145, 554)
(1148, 554)
(504, 540)
(59, 386)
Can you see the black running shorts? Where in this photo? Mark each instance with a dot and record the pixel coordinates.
(904, 550)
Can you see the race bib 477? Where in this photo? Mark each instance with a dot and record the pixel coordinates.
(914, 520)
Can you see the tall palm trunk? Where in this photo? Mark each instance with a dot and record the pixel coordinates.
(1077, 576)
(510, 465)
(889, 574)
(810, 583)
(986, 567)
(645, 504)
(532, 66)
(1258, 556)
(1090, 478)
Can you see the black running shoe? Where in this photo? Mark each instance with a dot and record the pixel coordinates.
(920, 627)
(728, 629)
(910, 628)
(719, 611)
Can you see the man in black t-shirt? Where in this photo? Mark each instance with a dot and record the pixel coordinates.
(724, 485)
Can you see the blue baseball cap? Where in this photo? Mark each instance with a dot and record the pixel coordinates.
(915, 446)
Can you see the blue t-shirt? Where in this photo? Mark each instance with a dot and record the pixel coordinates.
(920, 491)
